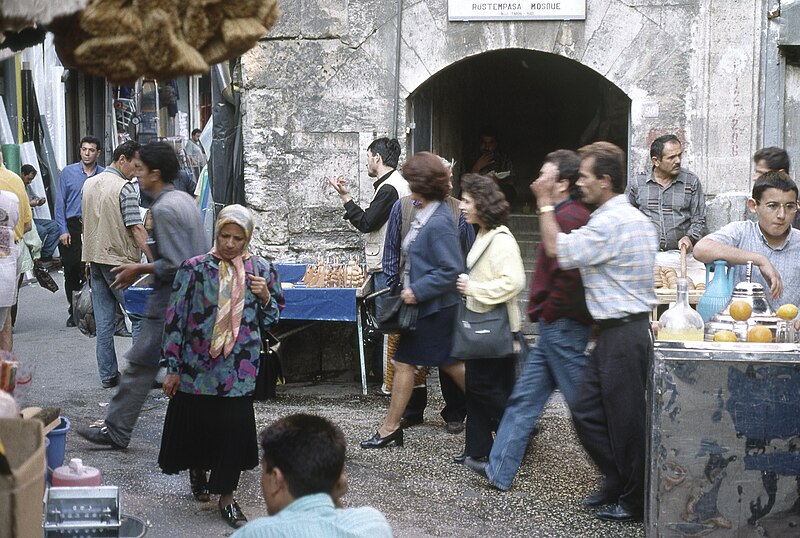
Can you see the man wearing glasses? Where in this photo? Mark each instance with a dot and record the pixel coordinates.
(770, 243)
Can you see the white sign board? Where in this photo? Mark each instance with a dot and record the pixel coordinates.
(523, 10)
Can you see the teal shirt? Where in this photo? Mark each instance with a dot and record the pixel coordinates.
(315, 516)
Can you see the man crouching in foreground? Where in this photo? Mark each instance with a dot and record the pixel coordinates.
(303, 478)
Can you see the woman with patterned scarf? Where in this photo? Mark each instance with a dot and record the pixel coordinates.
(220, 304)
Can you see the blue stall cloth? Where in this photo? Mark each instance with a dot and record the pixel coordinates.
(321, 304)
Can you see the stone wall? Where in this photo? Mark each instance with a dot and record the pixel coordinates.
(320, 87)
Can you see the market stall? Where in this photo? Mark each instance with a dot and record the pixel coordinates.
(324, 303)
(724, 450)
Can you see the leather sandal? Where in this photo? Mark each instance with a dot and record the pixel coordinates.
(233, 515)
(199, 484)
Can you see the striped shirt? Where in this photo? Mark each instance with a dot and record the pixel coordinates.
(128, 200)
(314, 516)
(677, 210)
(746, 235)
(615, 253)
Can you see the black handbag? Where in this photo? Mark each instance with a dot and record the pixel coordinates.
(394, 315)
(482, 335)
(43, 276)
(270, 371)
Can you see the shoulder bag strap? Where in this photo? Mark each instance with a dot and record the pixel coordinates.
(469, 269)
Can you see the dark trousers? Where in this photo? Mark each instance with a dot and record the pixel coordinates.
(71, 259)
(455, 404)
(489, 384)
(610, 410)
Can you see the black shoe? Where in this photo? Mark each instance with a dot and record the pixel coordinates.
(599, 498)
(477, 465)
(459, 458)
(111, 383)
(233, 515)
(618, 513)
(70, 322)
(455, 427)
(99, 436)
(407, 422)
(123, 332)
(199, 485)
(376, 441)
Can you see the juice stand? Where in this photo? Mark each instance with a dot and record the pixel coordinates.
(724, 409)
(724, 445)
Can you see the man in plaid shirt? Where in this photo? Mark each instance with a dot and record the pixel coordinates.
(614, 252)
(672, 198)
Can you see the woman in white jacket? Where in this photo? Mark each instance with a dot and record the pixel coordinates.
(496, 276)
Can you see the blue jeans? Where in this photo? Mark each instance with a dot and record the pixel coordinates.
(557, 360)
(48, 232)
(104, 302)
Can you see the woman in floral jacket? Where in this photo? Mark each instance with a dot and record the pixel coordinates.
(221, 302)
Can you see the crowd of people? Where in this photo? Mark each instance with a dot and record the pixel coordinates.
(602, 234)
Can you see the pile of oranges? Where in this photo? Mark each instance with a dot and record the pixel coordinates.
(741, 311)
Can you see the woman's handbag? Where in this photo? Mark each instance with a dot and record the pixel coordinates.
(482, 336)
(270, 371)
(394, 315)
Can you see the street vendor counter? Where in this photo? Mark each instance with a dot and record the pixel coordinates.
(724, 440)
(324, 304)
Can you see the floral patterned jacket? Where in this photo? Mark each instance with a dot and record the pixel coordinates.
(190, 319)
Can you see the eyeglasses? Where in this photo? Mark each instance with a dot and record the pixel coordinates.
(774, 207)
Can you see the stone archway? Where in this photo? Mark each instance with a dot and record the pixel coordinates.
(536, 102)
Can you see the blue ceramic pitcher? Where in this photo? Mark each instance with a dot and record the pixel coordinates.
(718, 291)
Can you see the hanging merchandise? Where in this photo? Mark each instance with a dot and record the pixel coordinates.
(193, 35)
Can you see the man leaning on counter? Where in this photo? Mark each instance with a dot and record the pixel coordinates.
(770, 243)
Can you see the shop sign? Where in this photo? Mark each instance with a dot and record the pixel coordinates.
(491, 10)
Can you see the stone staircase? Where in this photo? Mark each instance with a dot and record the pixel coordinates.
(525, 228)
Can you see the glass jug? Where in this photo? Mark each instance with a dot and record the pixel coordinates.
(681, 321)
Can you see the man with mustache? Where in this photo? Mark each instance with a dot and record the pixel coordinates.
(670, 196)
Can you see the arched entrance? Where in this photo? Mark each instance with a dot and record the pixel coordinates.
(535, 101)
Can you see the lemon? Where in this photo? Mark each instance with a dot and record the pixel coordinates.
(759, 333)
(740, 310)
(724, 336)
(787, 312)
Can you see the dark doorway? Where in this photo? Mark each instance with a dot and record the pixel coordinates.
(535, 101)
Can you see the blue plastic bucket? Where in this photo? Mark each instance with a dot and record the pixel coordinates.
(57, 446)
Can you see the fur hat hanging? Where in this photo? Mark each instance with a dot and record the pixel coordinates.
(122, 40)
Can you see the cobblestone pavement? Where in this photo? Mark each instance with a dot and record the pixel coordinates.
(417, 487)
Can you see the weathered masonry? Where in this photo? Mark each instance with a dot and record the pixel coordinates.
(333, 75)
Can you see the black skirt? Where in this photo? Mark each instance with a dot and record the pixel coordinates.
(209, 432)
(430, 343)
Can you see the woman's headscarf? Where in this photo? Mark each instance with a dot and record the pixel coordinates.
(230, 301)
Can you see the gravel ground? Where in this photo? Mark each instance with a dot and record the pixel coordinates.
(416, 486)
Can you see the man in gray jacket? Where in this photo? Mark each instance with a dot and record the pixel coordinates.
(177, 236)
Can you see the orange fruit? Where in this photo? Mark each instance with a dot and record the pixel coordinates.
(724, 336)
(740, 310)
(759, 333)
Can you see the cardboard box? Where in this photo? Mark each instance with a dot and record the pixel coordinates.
(21, 492)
